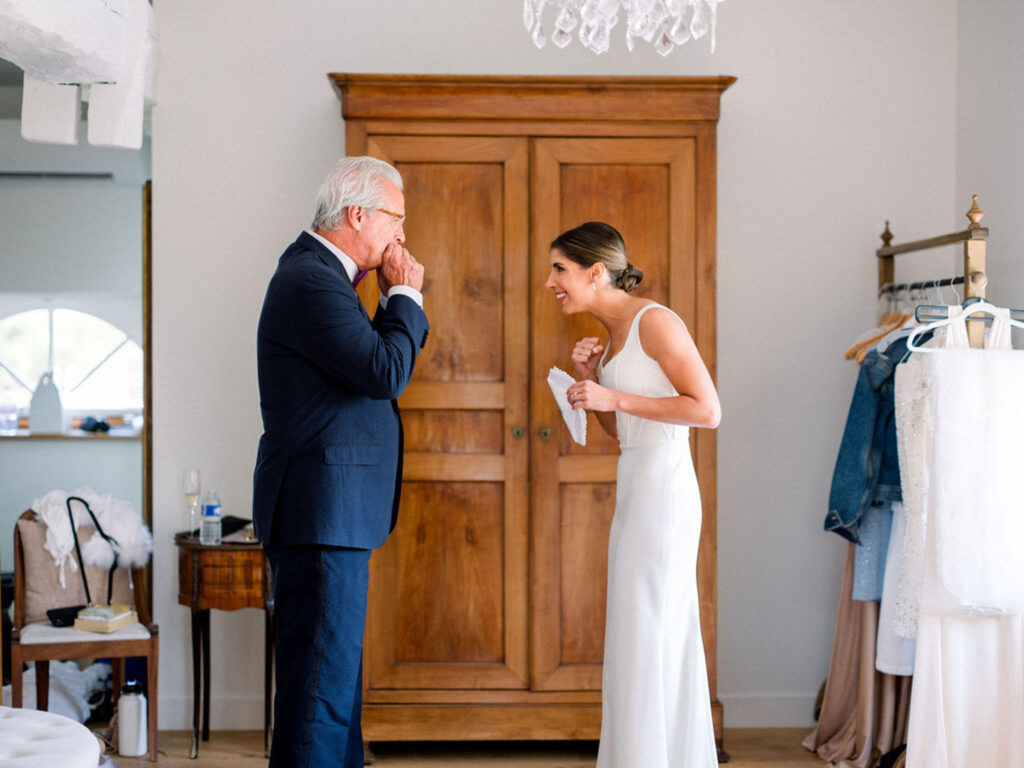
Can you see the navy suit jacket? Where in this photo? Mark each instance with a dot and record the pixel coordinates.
(329, 466)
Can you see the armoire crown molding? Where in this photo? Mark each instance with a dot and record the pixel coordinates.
(480, 97)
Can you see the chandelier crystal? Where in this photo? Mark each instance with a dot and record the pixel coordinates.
(664, 23)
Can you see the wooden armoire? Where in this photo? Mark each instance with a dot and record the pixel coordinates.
(487, 605)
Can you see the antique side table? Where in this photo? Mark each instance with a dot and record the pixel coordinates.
(227, 577)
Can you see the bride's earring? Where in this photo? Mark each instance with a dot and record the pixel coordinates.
(593, 286)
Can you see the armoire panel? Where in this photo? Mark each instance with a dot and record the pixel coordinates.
(587, 510)
(453, 431)
(467, 288)
(455, 533)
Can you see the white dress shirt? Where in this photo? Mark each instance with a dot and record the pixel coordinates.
(351, 269)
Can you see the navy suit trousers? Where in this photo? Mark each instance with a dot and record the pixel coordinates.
(319, 615)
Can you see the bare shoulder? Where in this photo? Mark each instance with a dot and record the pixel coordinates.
(662, 330)
(661, 318)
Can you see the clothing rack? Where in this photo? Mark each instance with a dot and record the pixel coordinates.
(973, 279)
(864, 712)
(921, 284)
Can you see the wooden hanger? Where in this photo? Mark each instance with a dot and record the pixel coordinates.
(890, 322)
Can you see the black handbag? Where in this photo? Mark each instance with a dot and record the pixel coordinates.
(65, 617)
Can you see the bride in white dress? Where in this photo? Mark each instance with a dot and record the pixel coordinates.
(647, 387)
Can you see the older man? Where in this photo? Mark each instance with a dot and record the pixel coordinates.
(329, 468)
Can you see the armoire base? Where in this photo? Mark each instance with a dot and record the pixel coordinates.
(494, 722)
(481, 722)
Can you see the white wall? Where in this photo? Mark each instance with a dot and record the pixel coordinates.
(64, 239)
(843, 116)
(29, 469)
(990, 142)
(75, 240)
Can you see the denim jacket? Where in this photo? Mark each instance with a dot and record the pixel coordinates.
(867, 468)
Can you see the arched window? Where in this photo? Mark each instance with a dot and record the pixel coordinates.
(96, 366)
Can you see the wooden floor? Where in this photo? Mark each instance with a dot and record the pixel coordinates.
(754, 748)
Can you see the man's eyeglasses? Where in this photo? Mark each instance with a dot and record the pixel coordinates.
(397, 220)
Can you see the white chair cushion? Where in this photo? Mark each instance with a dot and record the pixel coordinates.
(32, 739)
(45, 632)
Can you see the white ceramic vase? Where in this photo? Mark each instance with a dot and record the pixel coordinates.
(45, 414)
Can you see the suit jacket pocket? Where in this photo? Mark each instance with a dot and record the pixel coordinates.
(352, 453)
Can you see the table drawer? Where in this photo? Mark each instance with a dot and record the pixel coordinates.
(243, 578)
(219, 558)
(227, 579)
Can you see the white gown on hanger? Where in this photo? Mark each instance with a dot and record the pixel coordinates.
(656, 708)
(967, 707)
(914, 414)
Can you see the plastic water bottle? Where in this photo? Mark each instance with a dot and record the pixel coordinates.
(132, 734)
(209, 523)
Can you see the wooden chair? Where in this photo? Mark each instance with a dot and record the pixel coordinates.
(40, 642)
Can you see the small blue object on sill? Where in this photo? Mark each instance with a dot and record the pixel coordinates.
(91, 424)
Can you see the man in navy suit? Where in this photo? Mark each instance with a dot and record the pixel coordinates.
(329, 468)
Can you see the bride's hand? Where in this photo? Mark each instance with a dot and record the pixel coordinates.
(592, 396)
(586, 355)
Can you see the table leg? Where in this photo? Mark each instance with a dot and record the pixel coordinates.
(268, 680)
(207, 685)
(193, 752)
(116, 678)
(43, 685)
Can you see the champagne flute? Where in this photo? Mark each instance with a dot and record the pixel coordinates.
(190, 485)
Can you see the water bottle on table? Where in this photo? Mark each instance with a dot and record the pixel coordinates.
(209, 525)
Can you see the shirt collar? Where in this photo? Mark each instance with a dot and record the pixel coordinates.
(346, 261)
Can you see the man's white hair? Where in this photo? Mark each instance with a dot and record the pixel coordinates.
(353, 181)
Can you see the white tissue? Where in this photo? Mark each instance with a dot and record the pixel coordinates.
(575, 420)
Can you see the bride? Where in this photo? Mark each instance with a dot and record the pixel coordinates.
(647, 386)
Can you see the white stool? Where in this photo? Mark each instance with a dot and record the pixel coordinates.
(33, 739)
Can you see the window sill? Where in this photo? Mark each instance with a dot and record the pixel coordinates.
(75, 434)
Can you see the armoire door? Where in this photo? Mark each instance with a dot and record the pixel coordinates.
(448, 592)
(646, 188)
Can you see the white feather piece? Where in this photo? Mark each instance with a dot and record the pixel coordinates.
(119, 519)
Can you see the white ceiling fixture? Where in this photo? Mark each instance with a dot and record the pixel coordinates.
(664, 23)
(58, 43)
(103, 51)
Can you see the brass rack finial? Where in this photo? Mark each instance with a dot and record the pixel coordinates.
(886, 236)
(975, 214)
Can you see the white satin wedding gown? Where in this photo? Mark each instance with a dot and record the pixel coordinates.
(656, 708)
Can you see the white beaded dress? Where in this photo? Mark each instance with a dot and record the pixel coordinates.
(967, 707)
(656, 709)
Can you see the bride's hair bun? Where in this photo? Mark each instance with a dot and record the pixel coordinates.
(629, 278)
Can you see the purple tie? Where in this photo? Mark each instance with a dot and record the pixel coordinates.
(359, 276)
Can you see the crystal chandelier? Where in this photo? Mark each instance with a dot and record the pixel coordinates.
(665, 23)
